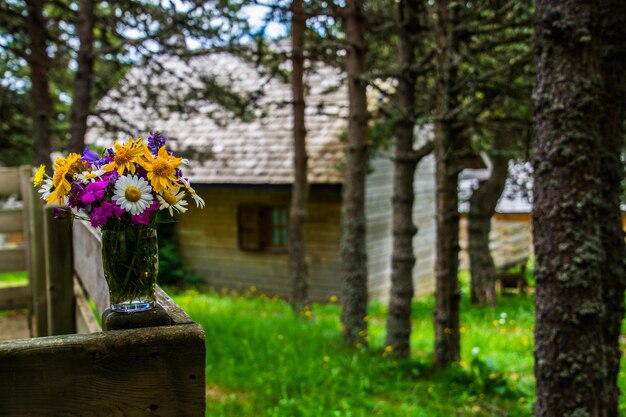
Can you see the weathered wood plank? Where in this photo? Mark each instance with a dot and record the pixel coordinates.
(12, 259)
(11, 220)
(88, 264)
(177, 314)
(59, 273)
(37, 268)
(124, 373)
(12, 298)
(83, 316)
(26, 187)
(9, 181)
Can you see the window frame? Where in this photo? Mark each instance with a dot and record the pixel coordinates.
(264, 228)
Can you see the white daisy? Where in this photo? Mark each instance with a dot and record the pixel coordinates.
(133, 194)
(45, 189)
(199, 201)
(89, 176)
(172, 201)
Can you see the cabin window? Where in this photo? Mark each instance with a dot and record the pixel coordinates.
(263, 228)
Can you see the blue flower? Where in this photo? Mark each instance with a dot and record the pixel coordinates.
(155, 141)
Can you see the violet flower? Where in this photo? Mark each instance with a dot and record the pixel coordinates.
(155, 141)
(144, 217)
(89, 156)
(94, 191)
(100, 215)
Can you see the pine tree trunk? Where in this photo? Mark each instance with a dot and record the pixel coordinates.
(40, 93)
(569, 353)
(353, 249)
(84, 76)
(406, 159)
(298, 269)
(482, 207)
(447, 139)
(613, 269)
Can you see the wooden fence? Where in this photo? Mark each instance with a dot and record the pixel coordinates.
(77, 369)
(13, 244)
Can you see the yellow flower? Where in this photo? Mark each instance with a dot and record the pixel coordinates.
(127, 155)
(63, 167)
(39, 175)
(162, 170)
(333, 298)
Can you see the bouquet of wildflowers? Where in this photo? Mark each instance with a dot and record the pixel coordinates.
(121, 193)
(126, 186)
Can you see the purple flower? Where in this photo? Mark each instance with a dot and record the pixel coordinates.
(59, 213)
(116, 210)
(144, 217)
(100, 215)
(94, 191)
(155, 141)
(89, 156)
(76, 193)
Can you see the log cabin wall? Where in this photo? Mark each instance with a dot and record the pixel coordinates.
(209, 237)
(209, 242)
(510, 239)
(379, 226)
(424, 218)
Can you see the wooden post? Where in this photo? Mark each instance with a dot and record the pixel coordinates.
(59, 273)
(36, 261)
(26, 187)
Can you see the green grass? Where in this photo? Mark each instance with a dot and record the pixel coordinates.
(10, 279)
(262, 361)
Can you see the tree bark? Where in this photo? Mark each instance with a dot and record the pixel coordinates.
(298, 268)
(353, 249)
(405, 161)
(40, 92)
(613, 269)
(570, 363)
(482, 207)
(447, 142)
(84, 75)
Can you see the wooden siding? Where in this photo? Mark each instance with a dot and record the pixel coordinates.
(209, 245)
(208, 239)
(510, 239)
(424, 218)
(379, 226)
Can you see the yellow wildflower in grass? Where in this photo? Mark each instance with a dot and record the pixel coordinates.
(127, 155)
(63, 167)
(162, 170)
(333, 298)
(39, 175)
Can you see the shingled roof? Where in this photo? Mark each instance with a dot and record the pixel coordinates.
(257, 150)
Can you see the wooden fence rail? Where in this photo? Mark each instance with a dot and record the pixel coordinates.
(13, 222)
(129, 372)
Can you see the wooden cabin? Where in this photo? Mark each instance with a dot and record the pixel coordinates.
(511, 225)
(243, 169)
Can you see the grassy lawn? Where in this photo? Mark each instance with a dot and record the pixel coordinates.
(10, 279)
(262, 361)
